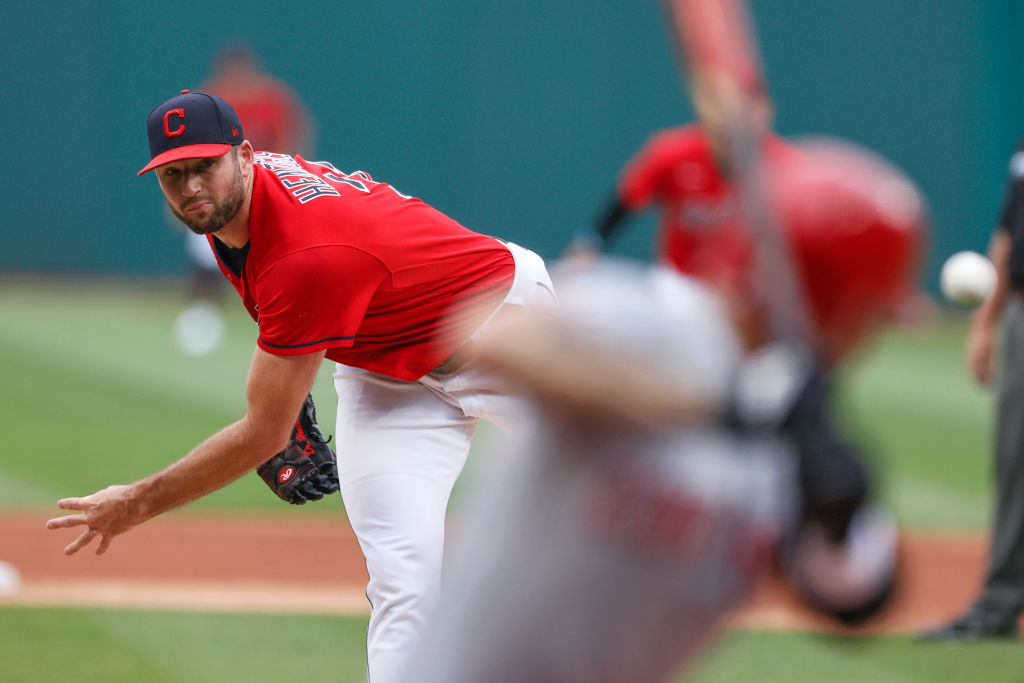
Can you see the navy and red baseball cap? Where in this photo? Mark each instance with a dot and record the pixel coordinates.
(192, 125)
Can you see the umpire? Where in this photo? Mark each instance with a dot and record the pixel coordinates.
(995, 612)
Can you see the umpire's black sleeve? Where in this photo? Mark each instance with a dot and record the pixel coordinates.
(1011, 218)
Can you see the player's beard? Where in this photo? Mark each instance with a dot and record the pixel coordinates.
(223, 211)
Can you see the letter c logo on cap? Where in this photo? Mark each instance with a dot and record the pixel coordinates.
(180, 113)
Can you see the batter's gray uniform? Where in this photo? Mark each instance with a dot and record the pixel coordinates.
(608, 553)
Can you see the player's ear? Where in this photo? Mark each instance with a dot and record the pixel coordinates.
(245, 157)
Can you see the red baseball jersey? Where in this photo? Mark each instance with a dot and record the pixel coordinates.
(271, 113)
(270, 116)
(700, 232)
(380, 280)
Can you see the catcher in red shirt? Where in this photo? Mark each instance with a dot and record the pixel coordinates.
(338, 266)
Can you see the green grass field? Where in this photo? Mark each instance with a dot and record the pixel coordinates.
(94, 392)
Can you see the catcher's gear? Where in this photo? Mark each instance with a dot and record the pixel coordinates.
(308, 467)
(779, 387)
(851, 580)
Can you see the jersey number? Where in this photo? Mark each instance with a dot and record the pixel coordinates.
(358, 180)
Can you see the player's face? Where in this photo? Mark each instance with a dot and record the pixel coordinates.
(204, 193)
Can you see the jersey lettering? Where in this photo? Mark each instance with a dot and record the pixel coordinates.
(304, 186)
(348, 181)
(307, 186)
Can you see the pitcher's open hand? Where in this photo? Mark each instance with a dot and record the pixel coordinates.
(105, 513)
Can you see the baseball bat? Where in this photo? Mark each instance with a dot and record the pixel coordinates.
(717, 47)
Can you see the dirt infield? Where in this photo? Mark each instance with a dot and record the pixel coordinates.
(313, 565)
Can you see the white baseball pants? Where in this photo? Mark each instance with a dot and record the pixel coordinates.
(401, 446)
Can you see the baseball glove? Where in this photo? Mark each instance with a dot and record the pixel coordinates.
(308, 467)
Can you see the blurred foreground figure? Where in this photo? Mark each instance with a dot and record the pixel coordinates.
(677, 453)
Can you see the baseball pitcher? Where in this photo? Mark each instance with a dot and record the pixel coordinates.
(341, 267)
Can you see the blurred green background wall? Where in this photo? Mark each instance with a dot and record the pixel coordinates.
(513, 117)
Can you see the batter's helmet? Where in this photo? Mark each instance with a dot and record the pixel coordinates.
(856, 229)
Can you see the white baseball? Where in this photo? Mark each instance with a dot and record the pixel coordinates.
(10, 579)
(967, 278)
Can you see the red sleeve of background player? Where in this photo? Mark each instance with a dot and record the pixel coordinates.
(647, 172)
(315, 299)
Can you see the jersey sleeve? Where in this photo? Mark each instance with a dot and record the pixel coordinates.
(646, 173)
(316, 299)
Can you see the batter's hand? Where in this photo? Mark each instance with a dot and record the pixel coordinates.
(104, 513)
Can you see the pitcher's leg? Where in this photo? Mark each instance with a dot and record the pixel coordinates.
(400, 450)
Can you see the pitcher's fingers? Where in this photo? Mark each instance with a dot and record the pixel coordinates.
(104, 544)
(65, 521)
(80, 542)
(70, 503)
